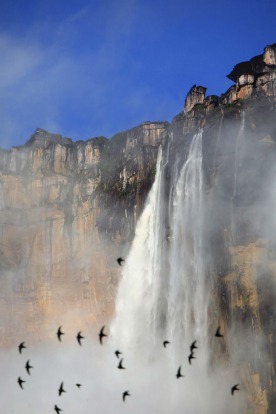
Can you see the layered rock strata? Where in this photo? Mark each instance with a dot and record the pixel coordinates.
(67, 212)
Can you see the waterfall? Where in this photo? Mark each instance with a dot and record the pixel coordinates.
(238, 155)
(141, 302)
(188, 293)
(218, 140)
(162, 290)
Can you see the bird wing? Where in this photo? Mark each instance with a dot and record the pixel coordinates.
(28, 367)
(60, 390)
(125, 394)
(193, 346)
(20, 382)
(59, 333)
(101, 334)
(234, 388)
(21, 346)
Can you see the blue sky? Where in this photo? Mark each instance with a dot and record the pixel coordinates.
(84, 69)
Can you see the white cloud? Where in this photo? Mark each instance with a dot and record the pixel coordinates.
(17, 60)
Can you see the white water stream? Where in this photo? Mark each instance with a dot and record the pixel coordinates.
(163, 289)
(163, 295)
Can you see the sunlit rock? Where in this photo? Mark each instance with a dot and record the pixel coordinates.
(269, 55)
(196, 95)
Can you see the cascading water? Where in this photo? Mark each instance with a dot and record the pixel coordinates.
(141, 305)
(237, 154)
(164, 294)
(218, 139)
(154, 300)
(188, 293)
(238, 157)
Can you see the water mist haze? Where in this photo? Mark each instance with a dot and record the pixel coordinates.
(170, 276)
(163, 293)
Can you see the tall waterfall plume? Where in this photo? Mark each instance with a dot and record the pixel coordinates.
(163, 290)
(188, 293)
(164, 295)
(141, 302)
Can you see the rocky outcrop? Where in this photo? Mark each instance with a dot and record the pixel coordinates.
(195, 96)
(257, 75)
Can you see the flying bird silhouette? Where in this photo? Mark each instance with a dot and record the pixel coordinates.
(218, 334)
(118, 353)
(178, 374)
(20, 382)
(120, 260)
(190, 357)
(193, 346)
(79, 337)
(125, 394)
(57, 409)
(235, 388)
(59, 333)
(102, 334)
(61, 389)
(21, 346)
(28, 366)
(120, 366)
(165, 343)
(78, 385)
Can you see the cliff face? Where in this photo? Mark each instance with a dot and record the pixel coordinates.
(239, 158)
(69, 209)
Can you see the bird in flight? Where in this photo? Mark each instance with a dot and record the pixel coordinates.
(61, 389)
(21, 346)
(125, 394)
(235, 388)
(118, 353)
(120, 260)
(193, 346)
(190, 357)
(120, 366)
(79, 337)
(59, 333)
(165, 343)
(78, 385)
(28, 366)
(218, 334)
(102, 334)
(57, 409)
(20, 382)
(178, 374)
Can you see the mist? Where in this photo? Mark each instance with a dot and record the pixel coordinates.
(151, 382)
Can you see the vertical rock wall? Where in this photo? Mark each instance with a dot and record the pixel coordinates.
(67, 211)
